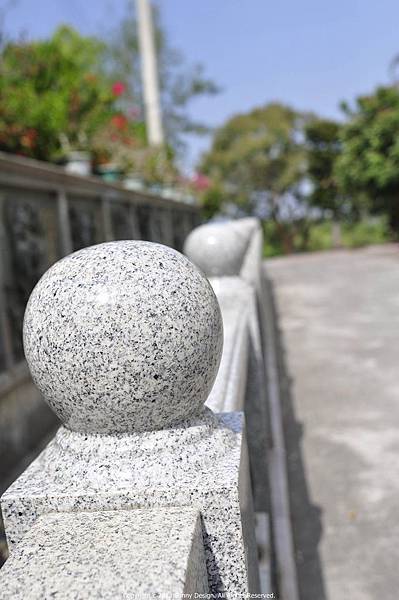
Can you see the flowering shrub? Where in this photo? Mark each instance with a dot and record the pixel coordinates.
(115, 141)
(54, 95)
(200, 182)
(118, 88)
(122, 143)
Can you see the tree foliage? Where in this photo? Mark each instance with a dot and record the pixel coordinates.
(368, 165)
(179, 83)
(259, 157)
(72, 92)
(267, 156)
(52, 91)
(323, 147)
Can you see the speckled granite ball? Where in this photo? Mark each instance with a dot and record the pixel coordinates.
(123, 337)
(218, 249)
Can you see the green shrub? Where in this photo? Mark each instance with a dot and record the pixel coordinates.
(320, 237)
(317, 236)
(372, 231)
(53, 92)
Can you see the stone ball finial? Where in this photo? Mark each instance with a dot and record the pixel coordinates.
(123, 337)
(218, 249)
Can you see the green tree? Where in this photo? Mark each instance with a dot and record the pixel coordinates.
(52, 91)
(368, 167)
(258, 159)
(261, 152)
(179, 83)
(211, 200)
(323, 148)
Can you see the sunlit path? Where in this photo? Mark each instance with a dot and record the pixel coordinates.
(339, 321)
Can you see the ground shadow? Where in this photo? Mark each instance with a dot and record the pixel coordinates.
(306, 517)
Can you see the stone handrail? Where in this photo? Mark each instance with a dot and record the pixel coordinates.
(231, 254)
(154, 455)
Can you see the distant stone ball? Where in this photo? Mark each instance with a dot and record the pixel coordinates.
(218, 249)
(123, 337)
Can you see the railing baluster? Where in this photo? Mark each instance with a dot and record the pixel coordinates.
(133, 222)
(106, 219)
(64, 225)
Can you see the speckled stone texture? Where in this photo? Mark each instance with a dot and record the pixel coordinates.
(124, 336)
(111, 554)
(241, 381)
(202, 463)
(235, 299)
(99, 326)
(241, 376)
(251, 267)
(218, 249)
(227, 249)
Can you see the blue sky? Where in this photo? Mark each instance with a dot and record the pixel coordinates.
(310, 54)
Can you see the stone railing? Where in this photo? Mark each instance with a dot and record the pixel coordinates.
(46, 213)
(146, 489)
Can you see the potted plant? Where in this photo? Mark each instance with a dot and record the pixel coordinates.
(77, 160)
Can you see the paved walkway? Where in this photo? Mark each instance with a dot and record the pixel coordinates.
(339, 321)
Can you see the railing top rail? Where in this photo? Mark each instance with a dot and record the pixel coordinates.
(17, 171)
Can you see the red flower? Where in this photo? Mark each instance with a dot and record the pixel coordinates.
(29, 138)
(200, 182)
(118, 88)
(119, 121)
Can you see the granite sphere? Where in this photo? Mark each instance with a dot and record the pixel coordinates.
(218, 249)
(123, 337)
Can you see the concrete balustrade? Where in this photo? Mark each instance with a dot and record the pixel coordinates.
(124, 341)
(230, 254)
(235, 276)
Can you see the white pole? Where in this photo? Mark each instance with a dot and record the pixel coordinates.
(149, 74)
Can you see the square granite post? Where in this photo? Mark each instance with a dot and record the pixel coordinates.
(201, 464)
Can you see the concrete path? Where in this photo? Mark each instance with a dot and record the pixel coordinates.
(338, 313)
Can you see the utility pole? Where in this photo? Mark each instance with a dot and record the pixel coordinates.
(149, 73)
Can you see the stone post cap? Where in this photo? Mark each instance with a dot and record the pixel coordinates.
(218, 249)
(123, 337)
